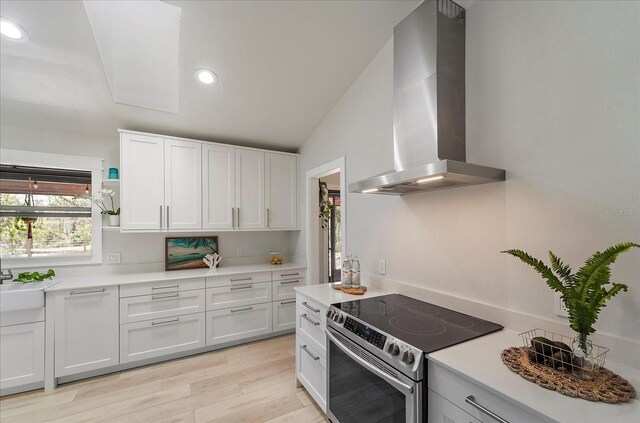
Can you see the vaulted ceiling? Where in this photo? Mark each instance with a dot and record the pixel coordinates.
(282, 65)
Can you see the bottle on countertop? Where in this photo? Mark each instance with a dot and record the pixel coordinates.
(347, 275)
(355, 271)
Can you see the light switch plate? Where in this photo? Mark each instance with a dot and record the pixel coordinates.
(239, 251)
(558, 305)
(382, 266)
(113, 258)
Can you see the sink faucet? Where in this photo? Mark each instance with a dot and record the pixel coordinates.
(5, 275)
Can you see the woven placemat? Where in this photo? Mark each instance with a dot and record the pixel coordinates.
(353, 291)
(606, 386)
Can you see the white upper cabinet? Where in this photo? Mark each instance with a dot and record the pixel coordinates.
(281, 175)
(173, 184)
(218, 187)
(250, 210)
(142, 175)
(182, 184)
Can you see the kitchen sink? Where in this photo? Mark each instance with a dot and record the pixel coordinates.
(23, 296)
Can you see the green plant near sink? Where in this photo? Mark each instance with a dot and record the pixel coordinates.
(25, 277)
(585, 292)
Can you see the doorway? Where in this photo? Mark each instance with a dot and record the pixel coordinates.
(326, 241)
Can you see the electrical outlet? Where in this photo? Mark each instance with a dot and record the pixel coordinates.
(113, 258)
(558, 305)
(239, 251)
(382, 266)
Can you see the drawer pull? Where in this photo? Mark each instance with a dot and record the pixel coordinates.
(289, 282)
(165, 321)
(234, 288)
(94, 291)
(315, 357)
(315, 310)
(242, 309)
(162, 296)
(287, 302)
(304, 316)
(289, 274)
(164, 287)
(472, 402)
(243, 279)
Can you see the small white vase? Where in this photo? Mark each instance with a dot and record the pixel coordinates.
(114, 220)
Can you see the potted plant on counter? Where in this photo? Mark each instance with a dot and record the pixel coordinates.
(584, 292)
(112, 212)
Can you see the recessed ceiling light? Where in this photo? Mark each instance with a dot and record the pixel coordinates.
(206, 77)
(13, 31)
(433, 178)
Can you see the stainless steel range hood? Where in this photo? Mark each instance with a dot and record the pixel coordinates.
(429, 106)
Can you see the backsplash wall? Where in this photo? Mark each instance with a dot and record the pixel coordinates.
(564, 126)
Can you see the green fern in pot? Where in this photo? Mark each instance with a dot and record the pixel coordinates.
(585, 292)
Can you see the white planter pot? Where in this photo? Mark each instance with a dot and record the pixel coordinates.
(114, 220)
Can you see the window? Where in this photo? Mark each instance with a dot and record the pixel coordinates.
(46, 212)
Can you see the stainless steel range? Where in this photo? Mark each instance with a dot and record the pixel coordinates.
(376, 350)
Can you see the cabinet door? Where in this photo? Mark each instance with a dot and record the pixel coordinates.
(442, 411)
(238, 323)
(86, 330)
(182, 184)
(311, 371)
(218, 187)
(160, 337)
(281, 175)
(284, 290)
(21, 354)
(142, 186)
(251, 213)
(284, 315)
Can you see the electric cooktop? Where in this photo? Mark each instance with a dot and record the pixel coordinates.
(423, 325)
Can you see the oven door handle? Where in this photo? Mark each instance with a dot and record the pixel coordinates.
(400, 386)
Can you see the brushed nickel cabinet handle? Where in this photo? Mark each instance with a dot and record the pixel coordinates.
(304, 347)
(287, 302)
(242, 309)
(167, 217)
(243, 279)
(165, 321)
(472, 402)
(238, 218)
(233, 217)
(234, 288)
(289, 274)
(305, 317)
(161, 222)
(93, 291)
(268, 218)
(164, 287)
(289, 282)
(315, 310)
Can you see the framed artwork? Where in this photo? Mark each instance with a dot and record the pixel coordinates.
(187, 253)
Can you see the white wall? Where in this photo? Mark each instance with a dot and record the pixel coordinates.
(553, 98)
(138, 251)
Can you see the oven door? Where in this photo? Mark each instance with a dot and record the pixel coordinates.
(363, 389)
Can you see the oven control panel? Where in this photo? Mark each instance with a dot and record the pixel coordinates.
(370, 335)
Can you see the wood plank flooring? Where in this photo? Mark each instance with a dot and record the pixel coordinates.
(249, 383)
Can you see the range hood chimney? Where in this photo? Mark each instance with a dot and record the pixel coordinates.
(429, 106)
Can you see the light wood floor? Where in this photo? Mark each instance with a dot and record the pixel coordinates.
(248, 383)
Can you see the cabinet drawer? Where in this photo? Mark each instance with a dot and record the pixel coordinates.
(160, 287)
(238, 295)
(284, 315)
(157, 306)
(238, 323)
(284, 290)
(239, 279)
(160, 337)
(311, 371)
(442, 411)
(456, 389)
(312, 308)
(311, 328)
(289, 274)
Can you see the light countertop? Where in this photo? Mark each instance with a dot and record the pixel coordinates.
(131, 278)
(479, 361)
(326, 295)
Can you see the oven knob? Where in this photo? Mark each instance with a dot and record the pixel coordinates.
(407, 357)
(330, 314)
(338, 318)
(393, 349)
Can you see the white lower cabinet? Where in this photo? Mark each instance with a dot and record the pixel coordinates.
(158, 337)
(21, 354)
(312, 327)
(285, 289)
(284, 315)
(86, 330)
(442, 411)
(236, 323)
(311, 371)
(238, 295)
